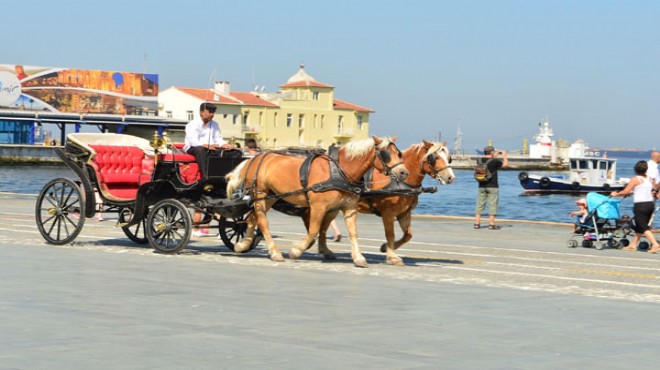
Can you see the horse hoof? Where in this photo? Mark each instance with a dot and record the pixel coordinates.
(329, 256)
(395, 262)
(361, 263)
(240, 247)
(383, 248)
(277, 257)
(295, 253)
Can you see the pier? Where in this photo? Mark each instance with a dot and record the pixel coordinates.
(511, 298)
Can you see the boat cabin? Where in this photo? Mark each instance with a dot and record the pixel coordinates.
(592, 170)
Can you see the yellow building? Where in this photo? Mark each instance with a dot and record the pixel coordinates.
(304, 113)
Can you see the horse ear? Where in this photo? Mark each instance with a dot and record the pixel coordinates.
(377, 140)
(393, 138)
(427, 144)
(444, 143)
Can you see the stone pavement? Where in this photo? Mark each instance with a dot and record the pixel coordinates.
(515, 298)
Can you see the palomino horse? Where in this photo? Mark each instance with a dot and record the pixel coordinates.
(272, 175)
(426, 158)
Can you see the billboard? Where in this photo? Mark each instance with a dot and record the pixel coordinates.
(66, 90)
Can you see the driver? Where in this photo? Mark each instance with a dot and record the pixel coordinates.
(203, 136)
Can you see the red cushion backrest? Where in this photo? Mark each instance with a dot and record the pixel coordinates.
(124, 160)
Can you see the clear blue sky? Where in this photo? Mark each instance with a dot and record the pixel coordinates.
(497, 67)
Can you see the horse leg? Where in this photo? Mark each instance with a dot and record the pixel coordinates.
(244, 244)
(405, 222)
(258, 217)
(315, 219)
(323, 244)
(350, 218)
(388, 247)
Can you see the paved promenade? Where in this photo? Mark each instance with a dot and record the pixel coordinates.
(515, 298)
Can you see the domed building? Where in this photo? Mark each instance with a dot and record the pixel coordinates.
(303, 113)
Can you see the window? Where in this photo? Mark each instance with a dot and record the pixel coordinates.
(191, 115)
(245, 118)
(340, 125)
(301, 121)
(168, 114)
(359, 122)
(289, 119)
(261, 118)
(275, 120)
(322, 119)
(234, 119)
(316, 121)
(315, 95)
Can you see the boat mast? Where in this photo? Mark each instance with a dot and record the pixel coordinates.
(457, 140)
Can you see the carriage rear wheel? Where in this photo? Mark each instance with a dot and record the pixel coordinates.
(233, 231)
(137, 232)
(60, 211)
(168, 226)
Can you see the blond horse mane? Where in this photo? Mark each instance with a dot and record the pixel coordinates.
(234, 179)
(359, 148)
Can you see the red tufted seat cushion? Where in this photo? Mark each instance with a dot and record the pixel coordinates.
(120, 170)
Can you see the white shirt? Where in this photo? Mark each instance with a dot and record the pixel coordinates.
(642, 192)
(652, 173)
(197, 134)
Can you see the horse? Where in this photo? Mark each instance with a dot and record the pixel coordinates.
(274, 175)
(396, 201)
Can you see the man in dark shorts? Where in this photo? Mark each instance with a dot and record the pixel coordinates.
(489, 191)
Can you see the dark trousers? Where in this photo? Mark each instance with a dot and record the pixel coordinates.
(201, 157)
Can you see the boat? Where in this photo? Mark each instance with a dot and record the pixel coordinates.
(585, 174)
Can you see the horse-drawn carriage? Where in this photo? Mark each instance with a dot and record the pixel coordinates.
(152, 187)
(149, 184)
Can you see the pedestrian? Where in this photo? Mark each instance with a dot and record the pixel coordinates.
(251, 147)
(652, 173)
(488, 192)
(580, 214)
(642, 189)
(335, 231)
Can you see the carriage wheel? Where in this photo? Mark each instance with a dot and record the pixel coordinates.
(168, 226)
(60, 211)
(137, 232)
(233, 231)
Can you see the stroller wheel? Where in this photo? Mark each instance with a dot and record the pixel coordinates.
(613, 243)
(598, 245)
(624, 242)
(572, 243)
(643, 246)
(587, 244)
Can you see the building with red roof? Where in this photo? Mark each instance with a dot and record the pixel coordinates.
(304, 112)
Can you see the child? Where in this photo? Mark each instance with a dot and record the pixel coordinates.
(580, 214)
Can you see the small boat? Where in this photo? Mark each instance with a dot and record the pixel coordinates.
(585, 174)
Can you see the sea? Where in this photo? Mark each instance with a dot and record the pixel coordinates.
(456, 199)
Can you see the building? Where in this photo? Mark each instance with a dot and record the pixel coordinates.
(304, 112)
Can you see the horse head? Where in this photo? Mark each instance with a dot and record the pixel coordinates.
(437, 162)
(388, 158)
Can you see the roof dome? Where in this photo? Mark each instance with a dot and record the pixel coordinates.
(300, 76)
(302, 79)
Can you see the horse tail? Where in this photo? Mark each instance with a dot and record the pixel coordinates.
(234, 178)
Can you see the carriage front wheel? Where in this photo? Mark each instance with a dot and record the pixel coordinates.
(60, 211)
(168, 226)
(232, 231)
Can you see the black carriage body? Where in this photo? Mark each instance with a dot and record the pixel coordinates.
(162, 187)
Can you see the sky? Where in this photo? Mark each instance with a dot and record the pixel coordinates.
(493, 68)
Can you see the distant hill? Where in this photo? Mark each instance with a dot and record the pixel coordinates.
(625, 152)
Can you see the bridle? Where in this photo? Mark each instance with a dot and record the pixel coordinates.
(385, 157)
(430, 160)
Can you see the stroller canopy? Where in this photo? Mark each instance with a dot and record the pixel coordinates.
(606, 207)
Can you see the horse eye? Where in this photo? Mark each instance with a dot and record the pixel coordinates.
(449, 159)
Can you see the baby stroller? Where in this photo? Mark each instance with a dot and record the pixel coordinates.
(603, 225)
